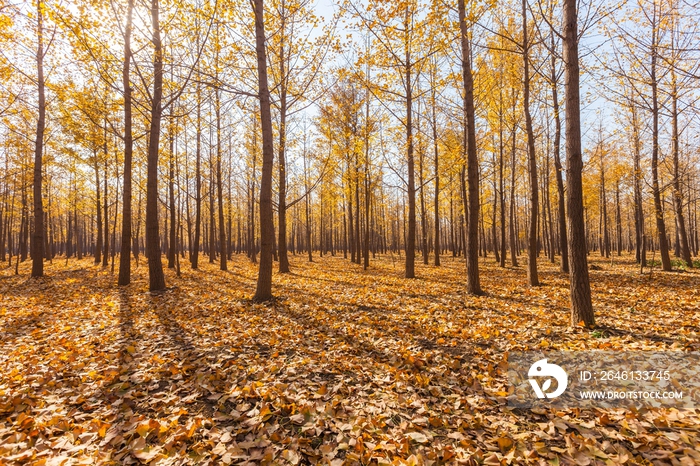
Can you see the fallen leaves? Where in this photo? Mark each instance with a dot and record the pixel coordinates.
(345, 366)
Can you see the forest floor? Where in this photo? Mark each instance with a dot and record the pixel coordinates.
(344, 367)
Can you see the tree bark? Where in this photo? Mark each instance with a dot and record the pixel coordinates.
(658, 207)
(532, 277)
(677, 192)
(263, 291)
(194, 262)
(281, 162)
(411, 232)
(105, 254)
(365, 264)
(223, 246)
(472, 246)
(605, 249)
(561, 209)
(98, 205)
(581, 306)
(436, 159)
(38, 234)
(156, 279)
(172, 246)
(638, 207)
(513, 239)
(124, 255)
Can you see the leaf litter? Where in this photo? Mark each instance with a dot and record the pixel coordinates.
(344, 367)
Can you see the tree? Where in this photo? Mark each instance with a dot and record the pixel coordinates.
(473, 284)
(263, 291)
(561, 209)
(581, 305)
(125, 252)
(531, 157)
(38, 234)
(155, 265)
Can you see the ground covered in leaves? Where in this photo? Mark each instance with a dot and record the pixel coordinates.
(344, 367)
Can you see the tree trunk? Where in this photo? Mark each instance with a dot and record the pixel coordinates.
(223, 246)
(358, 215)
(411, 232)
(124, 255)
(472, 246)
(423, 211)
(263, 291)
(194, 262)
(105, 254)
(501, 180)
(563, 241)
(98, 205)
(365, 264)
(512, 225)
(677, 193)
(436, 202)
(281, 162)
(638, 206)
(581, 306)
(172, 246)
(618, 218)
(605, 249)
(38, 234)
(532, 277)
(658, 207)
(212, 216)
(155, 266)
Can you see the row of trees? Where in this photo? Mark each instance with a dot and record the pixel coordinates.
(205, 127)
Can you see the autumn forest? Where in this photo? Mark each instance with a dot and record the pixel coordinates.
(312, 232)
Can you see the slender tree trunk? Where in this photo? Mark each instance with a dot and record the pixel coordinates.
(155, 266)
(472, 246)
(658, 207)
(98, 205)
(423, 210)
(172, 247)
(365, 265)
(532, 277)
(307, 205)
(78, 242)
(263, 290)
(638, 206)
(38, 234)
(411, 233)
(198, 183)
(105, 254)
(561, 209)
(212, 214)
(436, 194)
(494, 226)
(512, 224)
(281, 162)
(358, 214)
(125, 252)
(548, 204)
(220, 189)
(605, 249)
(677, 192)
(351, 229)
(618, 218)
(501, 180)
(251, 237)
(581, 306)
